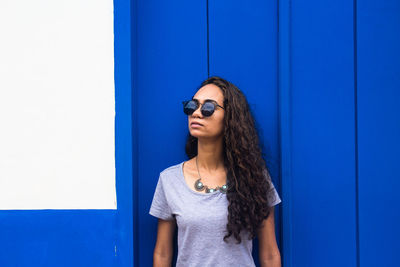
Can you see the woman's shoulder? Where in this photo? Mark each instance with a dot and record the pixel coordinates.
(170, 177)
(172, 170)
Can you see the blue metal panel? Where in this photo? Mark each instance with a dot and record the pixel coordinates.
(171, 61)
(123, 133)
(58, 238)
(378, 92)
(323, 134)
(83, 237)
(243, 49)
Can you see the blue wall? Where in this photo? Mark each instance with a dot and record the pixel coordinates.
(322, 96)
(322, 78)
(378, 127)
(340, 89)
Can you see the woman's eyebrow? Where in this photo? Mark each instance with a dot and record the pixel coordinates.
(205, 99)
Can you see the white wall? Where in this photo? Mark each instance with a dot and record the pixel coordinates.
(57, 104)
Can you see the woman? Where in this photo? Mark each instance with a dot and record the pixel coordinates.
(222, 197)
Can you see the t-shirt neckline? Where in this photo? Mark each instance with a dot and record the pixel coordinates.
(190, 189)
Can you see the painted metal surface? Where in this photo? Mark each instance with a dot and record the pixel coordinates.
(298, 65)
(378, 109)
(323, 134)
(58, 238)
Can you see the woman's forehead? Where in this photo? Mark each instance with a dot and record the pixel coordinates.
(209, 91)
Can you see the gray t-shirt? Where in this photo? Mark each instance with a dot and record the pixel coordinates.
(201, 219)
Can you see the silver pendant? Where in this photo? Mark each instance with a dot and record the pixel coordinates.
(199, 186)
(223, 189)
(210, 190)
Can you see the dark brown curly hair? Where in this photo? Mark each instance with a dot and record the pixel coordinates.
(247, 175)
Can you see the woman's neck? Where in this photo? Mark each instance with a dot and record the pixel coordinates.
(210, 154)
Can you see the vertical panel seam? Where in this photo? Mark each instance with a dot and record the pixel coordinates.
(357, 233)
(135, 172)
(278, 128)
(284, 95)
(208, 42)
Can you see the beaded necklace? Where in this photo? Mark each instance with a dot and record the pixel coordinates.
(199, 186)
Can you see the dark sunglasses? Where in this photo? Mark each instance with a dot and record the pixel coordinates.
(207, 108)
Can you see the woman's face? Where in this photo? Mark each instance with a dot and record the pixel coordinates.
(210, 127)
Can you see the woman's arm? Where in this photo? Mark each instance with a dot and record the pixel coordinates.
(268, 249)
(163, 249)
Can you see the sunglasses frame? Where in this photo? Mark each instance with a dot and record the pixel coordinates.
(198, 104)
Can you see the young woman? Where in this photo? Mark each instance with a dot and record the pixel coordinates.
(222, 197)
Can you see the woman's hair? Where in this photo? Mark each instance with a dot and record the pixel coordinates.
(248, 188)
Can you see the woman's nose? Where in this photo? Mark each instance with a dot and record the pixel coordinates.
(197, 112)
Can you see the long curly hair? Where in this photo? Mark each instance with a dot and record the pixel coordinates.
(248, 189)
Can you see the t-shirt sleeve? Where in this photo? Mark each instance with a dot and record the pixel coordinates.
(159, 206)
(273, 196)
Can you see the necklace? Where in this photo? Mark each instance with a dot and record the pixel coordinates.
(199, 186)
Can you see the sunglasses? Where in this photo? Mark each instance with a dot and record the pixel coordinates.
(207, 108)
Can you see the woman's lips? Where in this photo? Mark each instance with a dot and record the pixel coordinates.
(195, 125)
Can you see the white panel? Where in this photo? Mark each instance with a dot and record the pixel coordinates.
(57, 104)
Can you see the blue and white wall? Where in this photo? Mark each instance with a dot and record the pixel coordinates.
(90, 113)
(62, 147)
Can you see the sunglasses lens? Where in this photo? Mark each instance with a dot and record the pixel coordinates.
(207, 109)
(189, 107)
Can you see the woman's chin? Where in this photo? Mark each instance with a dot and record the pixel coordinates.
(196, 133)
(200, 135)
